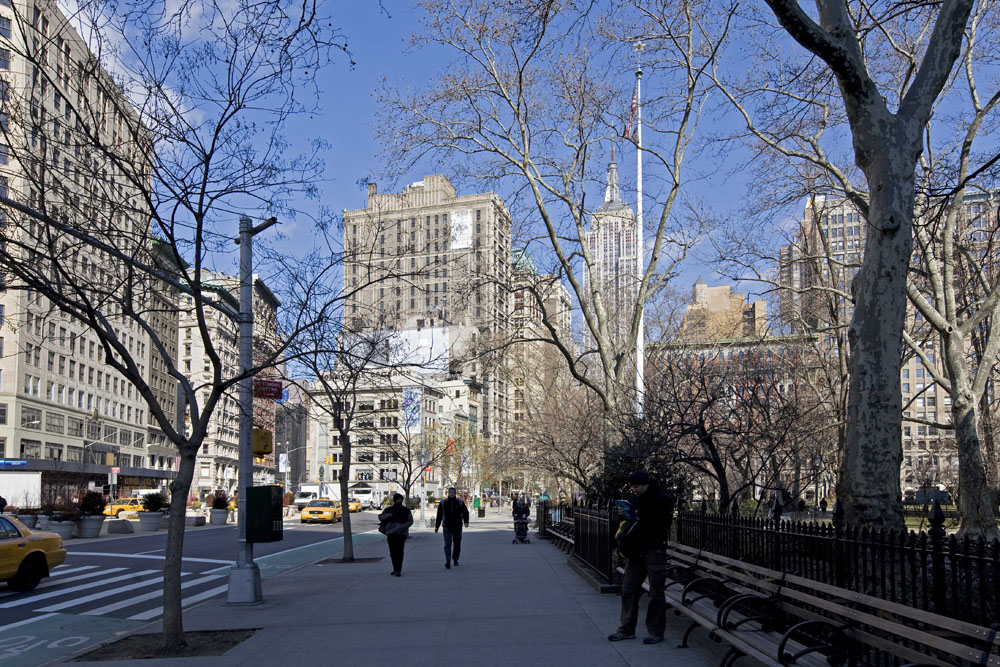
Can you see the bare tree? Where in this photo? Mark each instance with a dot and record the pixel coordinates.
(887, 119)
(529, 97)
(738, 417)
(163, 131)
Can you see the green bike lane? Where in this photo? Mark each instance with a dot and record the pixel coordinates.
(49, 638)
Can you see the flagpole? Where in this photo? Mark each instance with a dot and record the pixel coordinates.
(640, 343)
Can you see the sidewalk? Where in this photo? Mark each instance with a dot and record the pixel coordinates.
(506, 604)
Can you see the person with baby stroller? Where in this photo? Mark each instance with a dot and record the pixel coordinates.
(522, 517)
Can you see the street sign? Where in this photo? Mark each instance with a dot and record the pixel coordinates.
(267, 388)
(116, 470)
(427, 469)
(10, 463)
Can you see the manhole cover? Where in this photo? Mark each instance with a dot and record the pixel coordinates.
(340, 561)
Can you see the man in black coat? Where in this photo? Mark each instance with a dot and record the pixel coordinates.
(453, 513)
(644, 550)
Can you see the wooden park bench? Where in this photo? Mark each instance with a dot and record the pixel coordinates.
(785, 619)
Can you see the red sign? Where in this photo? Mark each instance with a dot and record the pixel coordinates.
(116, 470)
(427, 469)
(267, 389)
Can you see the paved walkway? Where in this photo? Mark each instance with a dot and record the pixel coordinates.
(506, 604)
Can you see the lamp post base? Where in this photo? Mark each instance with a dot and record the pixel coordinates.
(244, 585)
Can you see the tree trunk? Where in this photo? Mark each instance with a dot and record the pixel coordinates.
(987, 425)
(345, 480)
(173, 621)
(869, 487)
(975, 504)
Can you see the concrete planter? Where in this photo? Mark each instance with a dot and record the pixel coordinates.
(29, 520)
(90, 526)
(150, 521)
(219, 517)
(63, 529)
(42, 522)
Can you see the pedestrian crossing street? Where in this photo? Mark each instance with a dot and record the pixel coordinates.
(116, 592)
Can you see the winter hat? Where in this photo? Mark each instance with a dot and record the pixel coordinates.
(638, 477)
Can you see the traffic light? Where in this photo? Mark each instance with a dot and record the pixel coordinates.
(261, 442)
(328, 460)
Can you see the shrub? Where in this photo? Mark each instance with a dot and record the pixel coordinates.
(220, 501)
(65, 516)
(93, 503)
(154, 502)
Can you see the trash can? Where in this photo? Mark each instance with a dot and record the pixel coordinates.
(481, 512)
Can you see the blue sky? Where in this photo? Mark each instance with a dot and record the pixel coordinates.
(379, 38)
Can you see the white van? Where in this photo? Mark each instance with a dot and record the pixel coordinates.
(366, 497)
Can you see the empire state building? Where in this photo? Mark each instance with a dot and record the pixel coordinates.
(612, 245)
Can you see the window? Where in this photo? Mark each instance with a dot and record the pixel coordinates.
(5, 53)
(53, 451)
(31, 449)
(31, 418)
(74, 428)
(54, 422)
(5, 22)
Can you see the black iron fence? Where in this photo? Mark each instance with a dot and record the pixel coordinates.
(930, 570)
(594, 539)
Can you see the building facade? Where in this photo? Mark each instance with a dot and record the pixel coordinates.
(716, 312)
(217, 466)
(434, 266)
(64, 410)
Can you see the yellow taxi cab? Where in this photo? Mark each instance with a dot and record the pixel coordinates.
(353, 505)
(322, 509)
(26, 555)
(116, 507)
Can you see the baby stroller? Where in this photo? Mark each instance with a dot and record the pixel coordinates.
(521, 530)
(522, 517)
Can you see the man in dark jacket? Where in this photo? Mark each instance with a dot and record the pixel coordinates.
(453, 513)
(643, 548)
(395, 523)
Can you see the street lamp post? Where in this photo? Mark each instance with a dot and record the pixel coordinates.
(244, 577)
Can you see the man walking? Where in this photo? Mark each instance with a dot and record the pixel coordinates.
(395, 523)
(453, 513)
(643, 547)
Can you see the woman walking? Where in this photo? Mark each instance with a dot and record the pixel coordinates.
(396, 521)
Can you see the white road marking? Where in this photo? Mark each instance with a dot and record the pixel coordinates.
(25, 622)
(186, 602)
(57, 572)
(142, 598)
(103, 594)
(148, 556)
(56, 582)
(73, 589)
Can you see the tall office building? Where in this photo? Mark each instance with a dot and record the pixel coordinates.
(612, 243)
(63, 410)
(434, 266)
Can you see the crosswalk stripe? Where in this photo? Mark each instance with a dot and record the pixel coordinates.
(58, 582)
(100, 611)
(149, 557)
(66, 569)
(186, 602)
(103, 594)
(73, 589)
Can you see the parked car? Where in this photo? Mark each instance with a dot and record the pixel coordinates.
(354, 505)
(322, 510)
(116, 507)
(26, 555)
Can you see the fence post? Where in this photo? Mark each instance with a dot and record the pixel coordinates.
(540, 516)
(838, 544)
(702, 527)
(776, 535)
(936, 533)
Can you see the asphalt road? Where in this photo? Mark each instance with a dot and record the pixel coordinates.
(115, 582)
